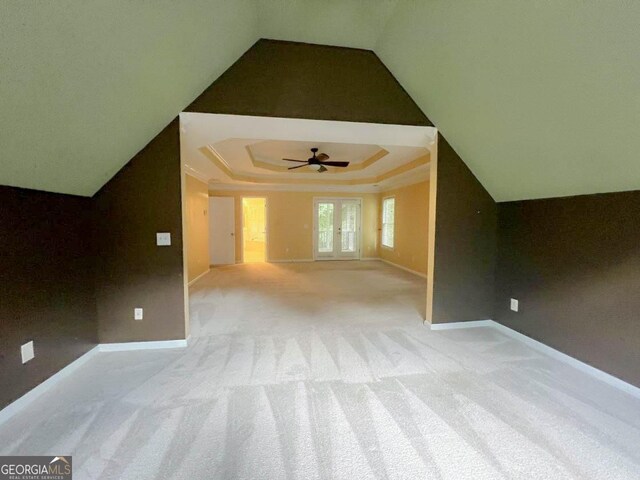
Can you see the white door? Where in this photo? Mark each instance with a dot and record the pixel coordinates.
(222, 226)
(337, 229)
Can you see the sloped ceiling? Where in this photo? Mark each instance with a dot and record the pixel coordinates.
(84, 85)
(346, 23)
(540, 99)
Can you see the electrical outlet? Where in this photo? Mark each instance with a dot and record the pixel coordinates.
(163, 239)
(27, 352)
(138, 313)
(514, 304)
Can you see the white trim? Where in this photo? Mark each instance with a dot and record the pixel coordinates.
(574, 362)
(22, 402)
(301, 260)
(370, 259)
(336, 254)
(199, 277)
(420, 274)
(547, 350)
(412, 177)
(185, 242)
(458, 325)
(382, 244)
(205, 129)
(192, 172)
(127, 346)
(313, 188)
(10, 410)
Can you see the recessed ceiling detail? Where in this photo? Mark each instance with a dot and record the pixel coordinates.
(268, 155)
(379, 156)
(219, 162)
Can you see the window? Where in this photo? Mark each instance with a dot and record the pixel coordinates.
(388, 221)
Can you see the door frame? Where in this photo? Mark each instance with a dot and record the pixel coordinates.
(266, 226)
(314, 233)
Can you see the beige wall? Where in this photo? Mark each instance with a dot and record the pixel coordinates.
(411, 227)
(197, 213)
(290, 222)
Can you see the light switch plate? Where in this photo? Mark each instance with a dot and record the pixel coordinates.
(163, 239)
(514, 304)
(27, 351)
(138, 313)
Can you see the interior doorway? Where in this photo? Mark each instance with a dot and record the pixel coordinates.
(254, 229)
(337, 227)
(222, 243)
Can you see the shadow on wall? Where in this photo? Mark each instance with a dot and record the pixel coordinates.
(46, 285)
(131, 271)
(465, 246)
(574, 265)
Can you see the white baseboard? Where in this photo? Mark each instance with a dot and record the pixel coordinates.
(547, 350)
(458, 325)
(301, 260)
(198, 277)
(22, 402)
(363, 259)
(128, 346)
(420, 274)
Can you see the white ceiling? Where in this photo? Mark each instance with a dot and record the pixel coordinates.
(273, 151)
(243, 152)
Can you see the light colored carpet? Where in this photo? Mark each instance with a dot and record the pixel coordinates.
(306, 371)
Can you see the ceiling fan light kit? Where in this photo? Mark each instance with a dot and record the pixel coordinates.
(317, 162)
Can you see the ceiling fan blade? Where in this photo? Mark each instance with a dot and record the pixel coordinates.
(322, 156)
(297, 166)
(292, 160)
(335, 164)
(322, 169)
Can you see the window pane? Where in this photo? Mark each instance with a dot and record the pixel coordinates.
(388, 219)
(325, 227)
(348, 233)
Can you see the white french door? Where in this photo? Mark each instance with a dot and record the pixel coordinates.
(337, 228)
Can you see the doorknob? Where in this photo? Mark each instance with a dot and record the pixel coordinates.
(232, 234)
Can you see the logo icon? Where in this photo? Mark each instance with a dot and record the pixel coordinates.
(36, 468)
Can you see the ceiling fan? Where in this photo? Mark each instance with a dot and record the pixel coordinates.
(317, 162)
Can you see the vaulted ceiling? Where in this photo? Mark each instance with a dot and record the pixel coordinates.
(84, 85)
(540, 99)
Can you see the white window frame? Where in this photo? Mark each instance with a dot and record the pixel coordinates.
(382, 239)
(316, 200)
